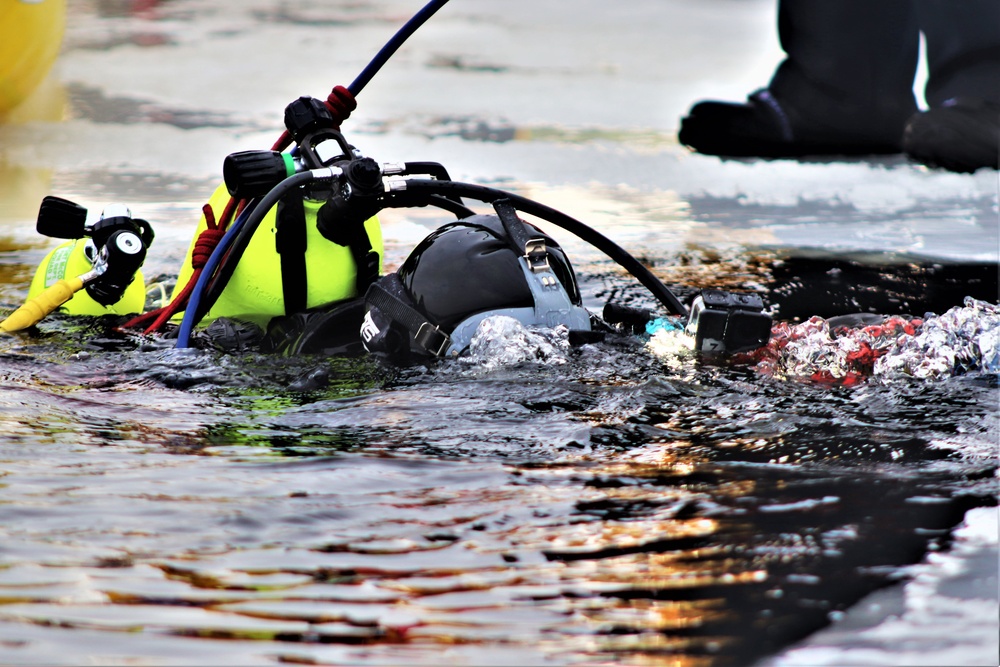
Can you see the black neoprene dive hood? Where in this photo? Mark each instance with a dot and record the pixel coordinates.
(462, 273)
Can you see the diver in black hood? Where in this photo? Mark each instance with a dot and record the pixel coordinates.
(293, 244)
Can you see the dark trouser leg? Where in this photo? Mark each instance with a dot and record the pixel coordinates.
(963, 49)
(850, 66)
(845, 88)
(961, 130)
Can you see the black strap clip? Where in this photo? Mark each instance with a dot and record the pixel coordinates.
(432, 339)
(388, 295)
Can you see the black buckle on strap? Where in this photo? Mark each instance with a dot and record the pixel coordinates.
(432, 339)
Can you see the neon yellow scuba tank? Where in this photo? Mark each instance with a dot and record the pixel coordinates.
(75, 258)
(307, 235)
(96, 272)
(258, 288)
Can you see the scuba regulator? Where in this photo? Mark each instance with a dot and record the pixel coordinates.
(116, 245)
(349, 202)
(102, 258)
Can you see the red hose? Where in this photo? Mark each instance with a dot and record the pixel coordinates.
(341, 103)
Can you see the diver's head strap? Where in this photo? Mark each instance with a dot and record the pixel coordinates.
(519, 235)
(424, 332)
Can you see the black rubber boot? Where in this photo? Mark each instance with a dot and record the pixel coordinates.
(961, 135)
(764, 127)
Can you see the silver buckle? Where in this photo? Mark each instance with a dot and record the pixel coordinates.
(426, 336)
(537, 255)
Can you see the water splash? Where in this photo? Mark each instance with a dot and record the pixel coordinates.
(671, 345)
(502, 341)
(962, 340)
(848, 351)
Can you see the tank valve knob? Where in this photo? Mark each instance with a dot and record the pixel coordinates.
(250, 174)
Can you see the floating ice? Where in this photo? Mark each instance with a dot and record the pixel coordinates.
(962, 340)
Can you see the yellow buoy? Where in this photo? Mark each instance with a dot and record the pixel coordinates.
(31, 34)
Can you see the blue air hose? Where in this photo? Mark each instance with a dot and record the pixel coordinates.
(189, 320)
(250, 219)
(393, 45)
(191, 316)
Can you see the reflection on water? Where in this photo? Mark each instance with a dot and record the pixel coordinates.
(21, 189)
(93, 104)
(610, 510)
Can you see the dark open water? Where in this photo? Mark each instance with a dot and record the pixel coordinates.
(610, 506)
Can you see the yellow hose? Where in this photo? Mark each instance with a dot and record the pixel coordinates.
(35, 309)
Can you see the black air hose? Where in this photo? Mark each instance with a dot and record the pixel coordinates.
(484, 194)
